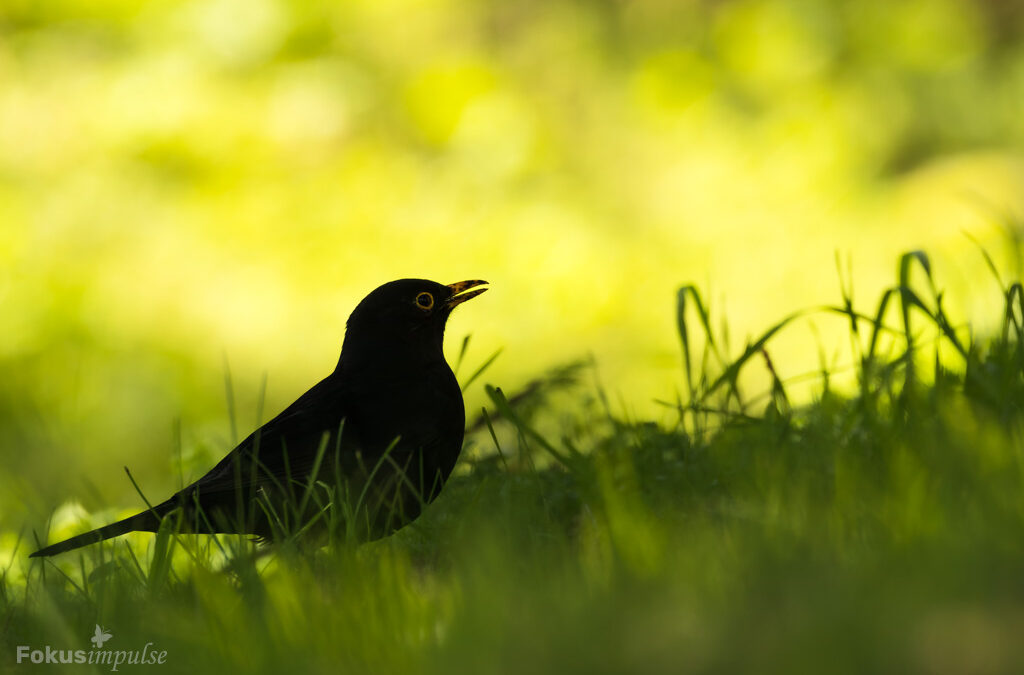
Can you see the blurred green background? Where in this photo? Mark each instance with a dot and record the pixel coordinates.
(184, 183)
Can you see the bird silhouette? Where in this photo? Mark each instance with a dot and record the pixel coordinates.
(365, 449)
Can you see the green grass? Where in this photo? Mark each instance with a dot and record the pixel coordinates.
(877, 528)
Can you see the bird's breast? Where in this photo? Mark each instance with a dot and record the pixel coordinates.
(423, 410)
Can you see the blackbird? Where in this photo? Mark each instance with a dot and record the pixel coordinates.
(365, 449)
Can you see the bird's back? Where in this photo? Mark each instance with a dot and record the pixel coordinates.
(386, 444)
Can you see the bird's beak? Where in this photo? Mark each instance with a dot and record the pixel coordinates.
(460, 286)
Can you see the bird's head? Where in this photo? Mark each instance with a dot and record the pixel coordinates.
(408, 315)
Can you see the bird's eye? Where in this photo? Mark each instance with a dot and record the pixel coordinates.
(425, 300)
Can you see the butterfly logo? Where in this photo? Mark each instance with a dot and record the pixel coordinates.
(100, 636)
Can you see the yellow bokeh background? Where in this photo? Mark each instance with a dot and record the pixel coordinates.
(188, 183)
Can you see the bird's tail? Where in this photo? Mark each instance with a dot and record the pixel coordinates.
(147, 521)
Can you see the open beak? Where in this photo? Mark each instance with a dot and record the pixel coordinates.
(458, 287)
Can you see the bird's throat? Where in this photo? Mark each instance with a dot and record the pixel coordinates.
(392, 355)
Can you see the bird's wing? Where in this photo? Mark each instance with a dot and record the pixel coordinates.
(284, 452)
(285, 447)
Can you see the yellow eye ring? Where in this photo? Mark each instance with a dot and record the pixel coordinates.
(425, 301)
